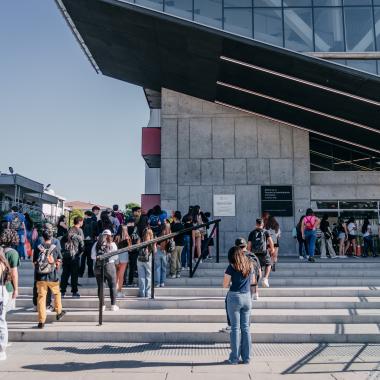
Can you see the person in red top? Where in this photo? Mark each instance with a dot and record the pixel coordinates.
(309, 226)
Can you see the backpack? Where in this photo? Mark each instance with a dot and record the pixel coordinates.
(44, 266)
(15, 223)
(259, 243)
(171, 246)
(309, 222)
(144, 255)
(155, 224)
(88, 228)
(99, 252)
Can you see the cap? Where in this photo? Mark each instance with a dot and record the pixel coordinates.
(107, 232)
(240, 242)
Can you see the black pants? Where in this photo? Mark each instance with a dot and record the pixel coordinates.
(132, 264)
(86, 257)
(70, 268)
(35, 295)
(109, 277)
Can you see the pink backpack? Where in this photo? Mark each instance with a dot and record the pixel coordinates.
(309, 222)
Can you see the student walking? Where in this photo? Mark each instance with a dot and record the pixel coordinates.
(326, 238)
(368, 238)
(16, 221)
(261, 244)
(122, 240)
(5, 278)
(144, 264)
(310, 223)
(239, 277)
(274, 231)
(90, 233)
(177, 226)
(73, 246)
(105, 244)
(46, 260)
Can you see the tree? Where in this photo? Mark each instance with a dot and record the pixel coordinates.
(128, 209)
(74, 213)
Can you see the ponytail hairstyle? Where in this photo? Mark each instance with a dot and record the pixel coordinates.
(239, 261)
(5, 269)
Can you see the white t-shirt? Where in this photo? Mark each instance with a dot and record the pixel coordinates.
(352, 229)
(113, 249)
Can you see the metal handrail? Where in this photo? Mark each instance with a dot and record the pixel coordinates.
(103, 258)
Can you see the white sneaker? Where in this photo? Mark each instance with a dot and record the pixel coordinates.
(225, 329)
(301, 257)
(265, 283)
(3, 356)
(162, 285)
(172, 276)
(120, 295)
(183, 268)
(104, 308)
(35, 308)
(114, 308)
(178, 276)
(255, 297)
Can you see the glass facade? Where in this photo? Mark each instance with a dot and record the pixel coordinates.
(300, 25)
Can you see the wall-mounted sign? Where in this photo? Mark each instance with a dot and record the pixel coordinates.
(224, 204)
(277, 200)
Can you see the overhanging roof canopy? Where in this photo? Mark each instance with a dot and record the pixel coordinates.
(155, 51)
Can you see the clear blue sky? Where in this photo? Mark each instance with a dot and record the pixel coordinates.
(60, 122)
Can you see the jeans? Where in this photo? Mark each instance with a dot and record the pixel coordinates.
(327, 243)
(70, 268)
(368, 245)
(175, 263)
(302, 248)
(310, 239)
(21, 246)
(4, 295)
(186, 252)
(239, 311)
(132, 266)
(42, 288)
(145, 278)
(86, 257)
(110, 277)
(160, 262)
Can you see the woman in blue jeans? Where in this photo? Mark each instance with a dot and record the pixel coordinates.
(309, 226)
(239, 278)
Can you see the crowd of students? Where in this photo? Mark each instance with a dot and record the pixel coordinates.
(338, 241)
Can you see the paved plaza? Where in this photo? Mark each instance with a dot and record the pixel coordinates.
(165, 361)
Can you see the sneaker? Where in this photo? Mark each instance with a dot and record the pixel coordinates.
(114, 308)
(41, 325)
(265, 283)
(178, 276)
(75, 295)
(301, 257)
(3, 355)
(183, 268)
(63, 295)
(255, 297)
(61, 315)
(50, 308)
(172, 276)
(162, 285)
(104, 308)
(225, 329)
(35, 308)
(311, 260)
(120, 295)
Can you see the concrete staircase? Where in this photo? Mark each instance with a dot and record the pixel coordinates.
(331, 301)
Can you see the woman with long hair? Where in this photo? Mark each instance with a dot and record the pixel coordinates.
(197, 235)
(342, 236)
(105, 222)
(239, 277)
(5, 277)
(302, 248)
(368, 238)
(105, 244)
(161, 257)
(144, 264)
(309, 226)
(273, 228)
(62, 227)
(122, 240)
(352, 229)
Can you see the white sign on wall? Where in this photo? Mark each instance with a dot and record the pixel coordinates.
(224, 204)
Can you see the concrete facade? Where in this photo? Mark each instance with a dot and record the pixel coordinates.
(209, 149)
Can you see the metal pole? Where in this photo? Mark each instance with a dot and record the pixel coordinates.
(191, 256)
(153, 280)
(101, 295)
(217, 243)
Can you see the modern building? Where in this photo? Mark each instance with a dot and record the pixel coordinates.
(256, 105)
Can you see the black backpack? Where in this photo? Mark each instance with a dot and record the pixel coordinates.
(259, 242)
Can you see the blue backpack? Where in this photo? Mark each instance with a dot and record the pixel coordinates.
(155, 224)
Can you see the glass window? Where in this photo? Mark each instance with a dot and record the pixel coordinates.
(364, 65)
(327, 3)
(208, 12)
(237, 3)
(154, 4)
(181, 8)
(268, 26)
(359, 29)
(239, 21)
(267, 3)
(298, 29)
(297, 3)
(357, 2)
(328, 27)
(377, 27)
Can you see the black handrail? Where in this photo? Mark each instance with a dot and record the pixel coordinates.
(103, 258)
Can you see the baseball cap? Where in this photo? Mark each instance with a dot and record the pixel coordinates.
(240, 242)
(107, 232)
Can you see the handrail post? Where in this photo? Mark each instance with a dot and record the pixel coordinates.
(153, 279)
(217, 243)
(191, 257)
(101, 294)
